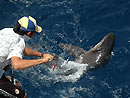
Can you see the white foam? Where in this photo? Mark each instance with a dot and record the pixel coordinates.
(63, 72)
(71, 71)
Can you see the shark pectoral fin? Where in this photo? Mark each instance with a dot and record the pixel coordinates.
(96, 49)
(73, 50)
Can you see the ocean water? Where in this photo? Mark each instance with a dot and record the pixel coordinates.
(82, 23)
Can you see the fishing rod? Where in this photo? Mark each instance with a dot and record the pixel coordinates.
(56, 59)
(68, 58)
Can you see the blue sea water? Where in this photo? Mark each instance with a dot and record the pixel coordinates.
(82, 23)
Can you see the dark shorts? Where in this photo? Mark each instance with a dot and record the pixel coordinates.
(10, 88)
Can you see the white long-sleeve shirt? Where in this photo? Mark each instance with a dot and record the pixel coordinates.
(11, 44)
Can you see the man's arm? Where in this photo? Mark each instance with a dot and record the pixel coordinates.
(20, 64)
(30, 52)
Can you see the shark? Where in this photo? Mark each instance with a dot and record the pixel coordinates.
(97, 56)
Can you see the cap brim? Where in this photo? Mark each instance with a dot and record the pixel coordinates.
(38, 29)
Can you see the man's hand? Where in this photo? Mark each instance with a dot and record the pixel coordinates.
(47, 57)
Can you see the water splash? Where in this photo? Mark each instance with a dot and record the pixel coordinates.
(66, 72)
(43, 75)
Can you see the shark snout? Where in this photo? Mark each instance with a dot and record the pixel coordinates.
(110, 37)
